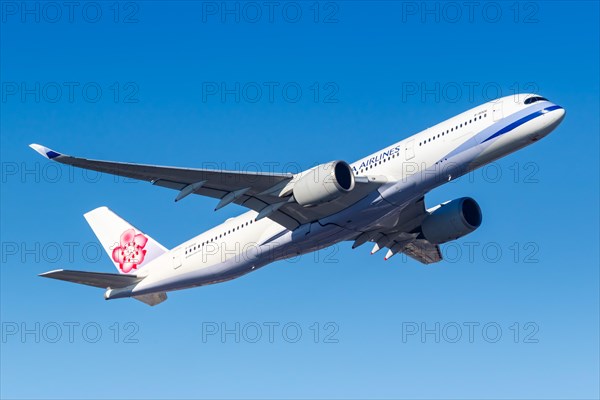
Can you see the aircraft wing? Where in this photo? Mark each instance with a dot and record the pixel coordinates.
(254, 190)
(404, 236)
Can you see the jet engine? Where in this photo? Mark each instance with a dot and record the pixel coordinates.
(324, 183)
(452, 220)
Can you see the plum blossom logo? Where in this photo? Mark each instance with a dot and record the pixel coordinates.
(131, 252)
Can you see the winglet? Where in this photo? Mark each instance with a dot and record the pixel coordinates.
(48, 274)
(44, 151)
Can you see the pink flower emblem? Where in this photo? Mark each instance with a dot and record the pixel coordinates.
(131, 252)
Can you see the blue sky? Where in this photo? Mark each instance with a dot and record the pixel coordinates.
(187, 84)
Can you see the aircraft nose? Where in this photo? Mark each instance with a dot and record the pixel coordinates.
(554, 116)
(558, 115)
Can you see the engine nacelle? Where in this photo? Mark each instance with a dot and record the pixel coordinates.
(324, 183)
(452, 220)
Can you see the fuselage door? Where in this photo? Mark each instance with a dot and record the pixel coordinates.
(409, 149)
(176, 258)
(497, 110)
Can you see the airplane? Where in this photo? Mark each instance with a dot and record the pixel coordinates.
(378, 199)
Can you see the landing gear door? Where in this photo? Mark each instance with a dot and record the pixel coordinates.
(176, 258)
(497, 110)
(409, 149)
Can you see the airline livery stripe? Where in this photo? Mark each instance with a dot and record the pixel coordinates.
(521, 121)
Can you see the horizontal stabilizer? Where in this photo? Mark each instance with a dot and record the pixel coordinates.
(96, 279)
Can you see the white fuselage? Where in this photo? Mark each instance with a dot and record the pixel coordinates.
(411, 168)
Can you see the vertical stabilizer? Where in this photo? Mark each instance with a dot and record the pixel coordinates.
(128, 247)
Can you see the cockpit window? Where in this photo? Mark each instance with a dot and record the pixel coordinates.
(534, 99)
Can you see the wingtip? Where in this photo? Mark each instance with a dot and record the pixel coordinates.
(45, 151)
(48, 273)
